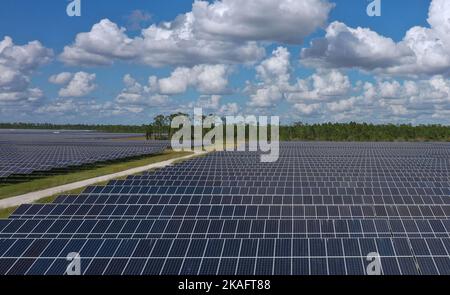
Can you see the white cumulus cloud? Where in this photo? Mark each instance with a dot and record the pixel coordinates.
(135, 94)
(221, 32)
(212, 104)
(79, 85)
(284, 21)
(273, 74)
(17, 64)
(61, 78)
(423, 50)
(207, 79)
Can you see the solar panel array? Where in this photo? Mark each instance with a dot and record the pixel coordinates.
(322, 208)
(26, 152)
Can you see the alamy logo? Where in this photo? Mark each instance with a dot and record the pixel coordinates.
(74, 8)
(374, 8)
(374, 267)
(241, 132)
(74, 267)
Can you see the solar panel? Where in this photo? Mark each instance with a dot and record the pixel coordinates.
(24, 153)
(224, 256)
(226, 228)
(321, 209)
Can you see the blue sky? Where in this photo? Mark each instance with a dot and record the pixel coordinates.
(376, 74)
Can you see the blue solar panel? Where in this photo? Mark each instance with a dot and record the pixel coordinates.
(26, 152)
(321, 209)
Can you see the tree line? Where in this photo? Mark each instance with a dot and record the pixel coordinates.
(103, 128)
(160, 128)
(364, 132)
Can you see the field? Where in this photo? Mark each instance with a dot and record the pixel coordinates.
(25, 154)
(322, 208)
(32, 160)
(14, 189)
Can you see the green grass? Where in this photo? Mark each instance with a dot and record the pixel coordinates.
(11, 190)
(5, 213)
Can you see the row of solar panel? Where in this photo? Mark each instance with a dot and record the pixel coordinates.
(309, 160)
(232, 211)
(362, 186)
(53, 153)
(349, 170)
(220, 228)
(262, 190)
(304, 172)
(355, 151)
(225, 266)
(359, 149)
(354, 171)
(26, 158)
(308, 155)
(313, 162)
(369, 161)
(296, 165)
(217, 248)
(248, 200)
(288, 178)
(199, 256)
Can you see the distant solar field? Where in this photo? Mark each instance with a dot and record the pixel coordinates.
(24, 152)
(321, 209)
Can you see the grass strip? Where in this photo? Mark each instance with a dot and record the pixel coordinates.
(11, 190)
